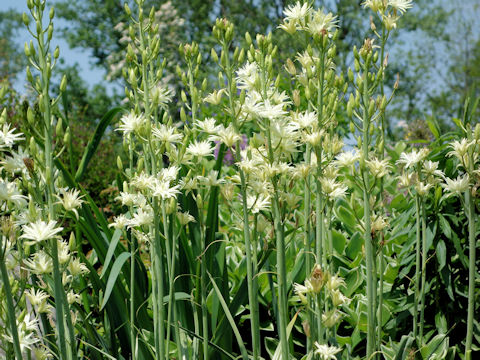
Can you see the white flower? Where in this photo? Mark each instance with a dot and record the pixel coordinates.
(460, 148)
(76, 267)
(40, 263)
(208, 125)
(458, 186)
(332, 189)
(36, 297)
(200, 148)
(258, 203)
(142, 181)
(326, 352)
(163, 189)
(297, 12)
(141, 217)
(247, 76)
(131, 123)
(72, 297)
(413, 158)
(8, 137)
(375, 5)
(322, 23)
(228, 136)
(347, 158)
(40, 231)
(14, 164)
(334, 282)
(9, 192)
(308, 119)
(423, 188)
(400, 5)
(169, 174)
(271, 111)
(162, 96)
(184, 218)
(378, 168)
(119, 222)
(166, 134)
(70, 200)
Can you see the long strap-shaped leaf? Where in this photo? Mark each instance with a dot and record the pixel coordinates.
(95, 140)
(229, 316)
(116, 268)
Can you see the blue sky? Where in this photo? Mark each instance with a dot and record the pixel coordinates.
(71, 56)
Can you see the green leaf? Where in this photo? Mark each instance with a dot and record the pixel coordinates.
(436, 349)
(441, 254)
(278, 351)
(433, 126)
(229, 316)
(354, 246)
(338, 241)
(178, 296)
(94, 141)
(117, 266)
(346, 217)
(111, 250)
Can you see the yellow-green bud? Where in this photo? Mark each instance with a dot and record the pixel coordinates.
(72, 242)
(52, 13)
(214, 55)
(119, 163)
(140, 164)
(63, 83)
(248, 39)
(50, 32)
(184, 96)
(59, 127)
(350, 75)
(56, 53)
(26, 19)
(67, 136)
(183, 116)
(32, 146)
(241, 56)
(127, 9)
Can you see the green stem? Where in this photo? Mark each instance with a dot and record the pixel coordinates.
(424, 270)
(417, 266)
(10, 308)
(61, 307)
(132, 296)
(470, 207)
(369, 253)
(308, 250)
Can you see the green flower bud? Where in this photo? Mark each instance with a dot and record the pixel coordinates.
(56, 53)
(51, 15)
(127, 9)
(214, 55)
(59, 127)
(119, 163)
(63, 83)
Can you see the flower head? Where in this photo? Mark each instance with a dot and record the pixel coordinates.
(326, 352)
(457, 186)
(200, 148)
(131, 123)
(40, 231)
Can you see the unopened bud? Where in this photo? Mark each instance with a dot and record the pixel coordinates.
(63, 83)
(119, 164)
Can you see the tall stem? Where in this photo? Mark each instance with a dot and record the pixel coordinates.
(470, 207)
(369, 253)
(61, 307)
(9, 299)
(417, 266)
(424, 271)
